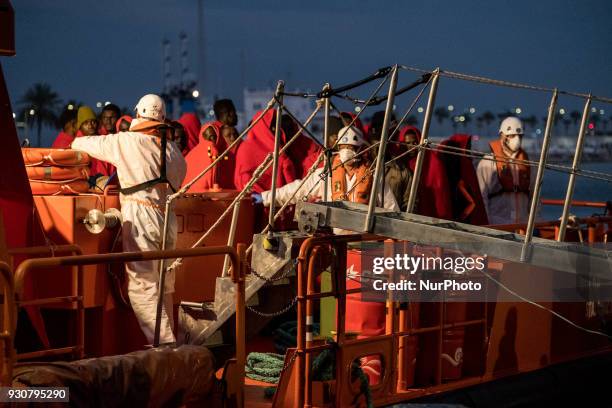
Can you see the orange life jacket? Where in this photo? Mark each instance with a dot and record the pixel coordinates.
(363, 179)
(504, 172)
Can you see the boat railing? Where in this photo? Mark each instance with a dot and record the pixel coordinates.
(595, 227)
(237, 260)
(390, 346)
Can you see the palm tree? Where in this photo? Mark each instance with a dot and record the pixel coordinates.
(40, 103)
(531, 120)
(595, 120)
(575, 115)
(567, 122)
(479, 121)
(488, 118)
(441, 114)
(412, 120)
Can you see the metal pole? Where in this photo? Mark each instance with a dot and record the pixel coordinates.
(231, 237)
(572, 179)
(162, 277)
(326, 145)
(277, 134)
(380, 159)
(535, 198)
(416, 177)
(239, 276)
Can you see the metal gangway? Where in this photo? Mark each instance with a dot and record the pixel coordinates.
(568, 257)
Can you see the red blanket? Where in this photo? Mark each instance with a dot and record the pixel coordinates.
(203, 154)
(434, 198)
(191, 123)
(62, 141)
(303, 151)
(252, 152)
(467, 201)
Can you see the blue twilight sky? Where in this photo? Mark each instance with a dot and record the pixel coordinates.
(111, 50)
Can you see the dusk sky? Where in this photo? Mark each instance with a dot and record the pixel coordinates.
(111, 50)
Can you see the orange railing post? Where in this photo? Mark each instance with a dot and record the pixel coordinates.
(7, 331)
(239, 276)
(80, 260)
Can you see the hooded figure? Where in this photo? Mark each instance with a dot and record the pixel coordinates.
(467, 201)
(397, 175)
(137, 156)
(123, 124)
(506, 184)
(67, 125)
(304, 152)
(252, 152)
(207, 151)
(433, 195)
(350, 179)
(191, 124)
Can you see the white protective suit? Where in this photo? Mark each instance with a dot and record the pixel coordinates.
(137, 159)
(507, 207)
(308, 190)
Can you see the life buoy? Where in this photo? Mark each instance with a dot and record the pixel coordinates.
(59, 188)
(34, 156)
(57, 173)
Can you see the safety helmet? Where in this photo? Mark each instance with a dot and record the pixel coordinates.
(350, 135)
(151, 107)
(511, 126)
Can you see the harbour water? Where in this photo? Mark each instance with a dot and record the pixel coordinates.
(588, 189)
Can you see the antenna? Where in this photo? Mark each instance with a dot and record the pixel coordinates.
(167, 76)
(184, 56)
(201, 51)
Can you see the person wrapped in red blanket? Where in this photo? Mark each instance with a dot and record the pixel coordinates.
(304, 151)
(191, 124)
(433, 195)
(214, 138)
(252, 152)
(465, 193)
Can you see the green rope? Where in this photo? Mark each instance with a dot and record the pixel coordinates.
(267, 367)
(264, 367)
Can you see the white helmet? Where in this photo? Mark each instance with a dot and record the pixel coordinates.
(151, 107)
(511, 126)
(350, 135)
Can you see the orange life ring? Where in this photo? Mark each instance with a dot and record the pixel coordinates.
(57, 173)
(59, 188)
(33, 156)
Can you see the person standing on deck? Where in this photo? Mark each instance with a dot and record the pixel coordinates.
(350, 179)
(137, 154)
(67, 125)
(108, 119)
(505, 182)
(397, 175)
(214, 138)
(191, 126)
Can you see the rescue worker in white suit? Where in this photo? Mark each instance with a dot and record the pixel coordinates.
(506, 185)
(350, 179)
(137, 155)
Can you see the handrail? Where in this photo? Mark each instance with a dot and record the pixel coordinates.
(576, 203)
(596, 219)
(9, 318)
(76, 296)
(31, 264)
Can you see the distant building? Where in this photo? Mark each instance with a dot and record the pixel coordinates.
(256, 100)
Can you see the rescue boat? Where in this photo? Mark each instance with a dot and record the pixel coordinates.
(67, 321)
